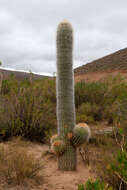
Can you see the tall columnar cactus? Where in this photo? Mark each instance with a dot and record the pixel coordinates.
(69, 135)
(65, 94)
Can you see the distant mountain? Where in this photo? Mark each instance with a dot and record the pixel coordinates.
(111, 64)
(20, 75)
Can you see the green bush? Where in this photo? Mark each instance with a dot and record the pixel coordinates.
(119, 166)
(92, 92)
(105, 100)
(28, 109)
(89, 113)
(113, 167)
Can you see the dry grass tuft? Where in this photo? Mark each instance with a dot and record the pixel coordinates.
(19, 142)
(17, 166)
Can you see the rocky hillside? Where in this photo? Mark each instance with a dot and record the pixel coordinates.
(111, 64)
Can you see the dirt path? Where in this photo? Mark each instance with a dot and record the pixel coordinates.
(50, 177)
(57, 180)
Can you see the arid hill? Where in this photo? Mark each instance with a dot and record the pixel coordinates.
(113, 64)
(19, 75)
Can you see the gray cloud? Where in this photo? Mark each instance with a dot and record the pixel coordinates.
(28, 31)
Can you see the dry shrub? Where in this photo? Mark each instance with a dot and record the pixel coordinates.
(17, 166)
(19, 142)
(28, 110)
(103, 154)
(85, 153)
(104, 172)
(102, 140)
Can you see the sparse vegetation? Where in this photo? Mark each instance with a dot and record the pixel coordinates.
(17, 166)
(94, 185)
(28, 109)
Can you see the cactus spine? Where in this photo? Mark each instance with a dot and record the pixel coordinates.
(65, 94)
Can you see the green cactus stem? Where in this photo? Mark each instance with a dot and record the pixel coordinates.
(67, 159)
(65, 93)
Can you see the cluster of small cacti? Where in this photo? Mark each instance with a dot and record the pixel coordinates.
(81, 134)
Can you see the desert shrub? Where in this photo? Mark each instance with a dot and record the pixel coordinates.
(94, 185)
(5, 88)
(17, 166)
(28, 109)
(113, 168)
(89, 113)
(104, 100)
(92, 92)
(115, 99)
(104, 172)
(8, 84)
(113, 171)
(112, 112)
(90, 101)
(84, 118)
(119, 168)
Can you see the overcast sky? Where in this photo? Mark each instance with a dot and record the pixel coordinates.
(28, 31)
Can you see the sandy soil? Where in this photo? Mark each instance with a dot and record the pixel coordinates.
(51, 177)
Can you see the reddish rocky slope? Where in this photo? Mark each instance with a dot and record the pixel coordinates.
(113, 64)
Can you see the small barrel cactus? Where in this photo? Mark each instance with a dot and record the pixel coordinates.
(81, 134)
(58, 147)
